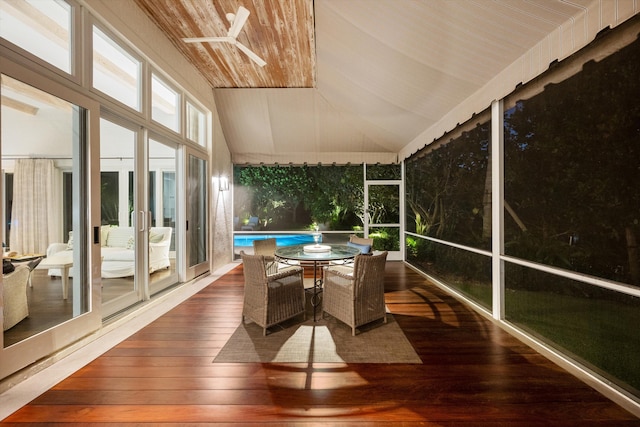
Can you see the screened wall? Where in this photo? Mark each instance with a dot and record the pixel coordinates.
(569, 217)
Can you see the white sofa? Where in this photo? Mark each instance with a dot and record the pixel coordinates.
(118, 256)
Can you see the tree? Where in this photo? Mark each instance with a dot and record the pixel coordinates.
(571, 170)
(272, 193)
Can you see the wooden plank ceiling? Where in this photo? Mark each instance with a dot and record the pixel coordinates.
(357, 80)
(280, 32)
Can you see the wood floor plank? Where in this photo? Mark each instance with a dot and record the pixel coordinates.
(472, 374)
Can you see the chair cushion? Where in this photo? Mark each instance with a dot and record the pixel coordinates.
(155, 236)
(118, 237)
(364, 249)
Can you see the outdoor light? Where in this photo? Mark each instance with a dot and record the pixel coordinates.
(223, 183)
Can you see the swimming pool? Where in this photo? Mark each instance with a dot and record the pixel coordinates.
(281, 239)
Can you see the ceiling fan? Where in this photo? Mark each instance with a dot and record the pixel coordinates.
(237, 21)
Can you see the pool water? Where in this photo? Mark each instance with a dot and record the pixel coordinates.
(281, 239)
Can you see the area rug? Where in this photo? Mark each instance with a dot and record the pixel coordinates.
(323, 341)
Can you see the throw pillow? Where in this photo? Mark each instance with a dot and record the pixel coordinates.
(7, 266)
(131, 243)
(70, 242)
(104, 234)
(155, 237)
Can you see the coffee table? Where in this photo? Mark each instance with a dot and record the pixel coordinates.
(59, 261)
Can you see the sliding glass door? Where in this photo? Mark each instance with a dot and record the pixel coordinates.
(48, 248)
(139, 213)
(196, 214)
(119, 145)
(163, 216)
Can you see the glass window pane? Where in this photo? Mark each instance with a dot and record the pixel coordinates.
(163, 207)
(40, 136)
(42, 28)
(165, 104)
(384, 204)
(196, 125)
(115, 72)
(117, 148)
(197, 211)
(385, 238)
(110, 203)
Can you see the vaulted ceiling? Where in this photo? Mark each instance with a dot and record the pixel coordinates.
(350, 80)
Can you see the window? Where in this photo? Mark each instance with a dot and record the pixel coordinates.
(46, 212)
(449, 187)
(115, 72)
(42, 28)
(165, 104)
(196, 125)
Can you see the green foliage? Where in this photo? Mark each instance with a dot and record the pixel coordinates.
(571, 170)
(411, 248)
(292, 197)
(385, 239)
(446, 189)
(387, 172)
(270, 193)
(109, 201)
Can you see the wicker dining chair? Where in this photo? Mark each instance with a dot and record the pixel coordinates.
(271, 298)
(267, 248)
(356, 296)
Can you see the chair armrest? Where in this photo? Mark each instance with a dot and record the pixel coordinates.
(54, 248)
(285, 273)
(343, 272)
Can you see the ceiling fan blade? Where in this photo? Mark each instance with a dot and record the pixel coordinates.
(238, 22)
(251, 55)
(208, 39)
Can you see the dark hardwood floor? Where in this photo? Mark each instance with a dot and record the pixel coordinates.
(473, 374)
(47, 308)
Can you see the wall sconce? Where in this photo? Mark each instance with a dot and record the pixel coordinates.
(223, 183)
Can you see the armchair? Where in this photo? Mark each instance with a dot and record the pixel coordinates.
(364, 244)
(271, 298)
(267, 248)
(14, 295)
(356, 296)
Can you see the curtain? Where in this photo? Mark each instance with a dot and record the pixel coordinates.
(36, 215)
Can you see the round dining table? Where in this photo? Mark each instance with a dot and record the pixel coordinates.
(319, 255)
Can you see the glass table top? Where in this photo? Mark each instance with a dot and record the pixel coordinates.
(297, 252)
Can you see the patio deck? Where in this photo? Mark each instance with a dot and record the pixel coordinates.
(473, 373)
